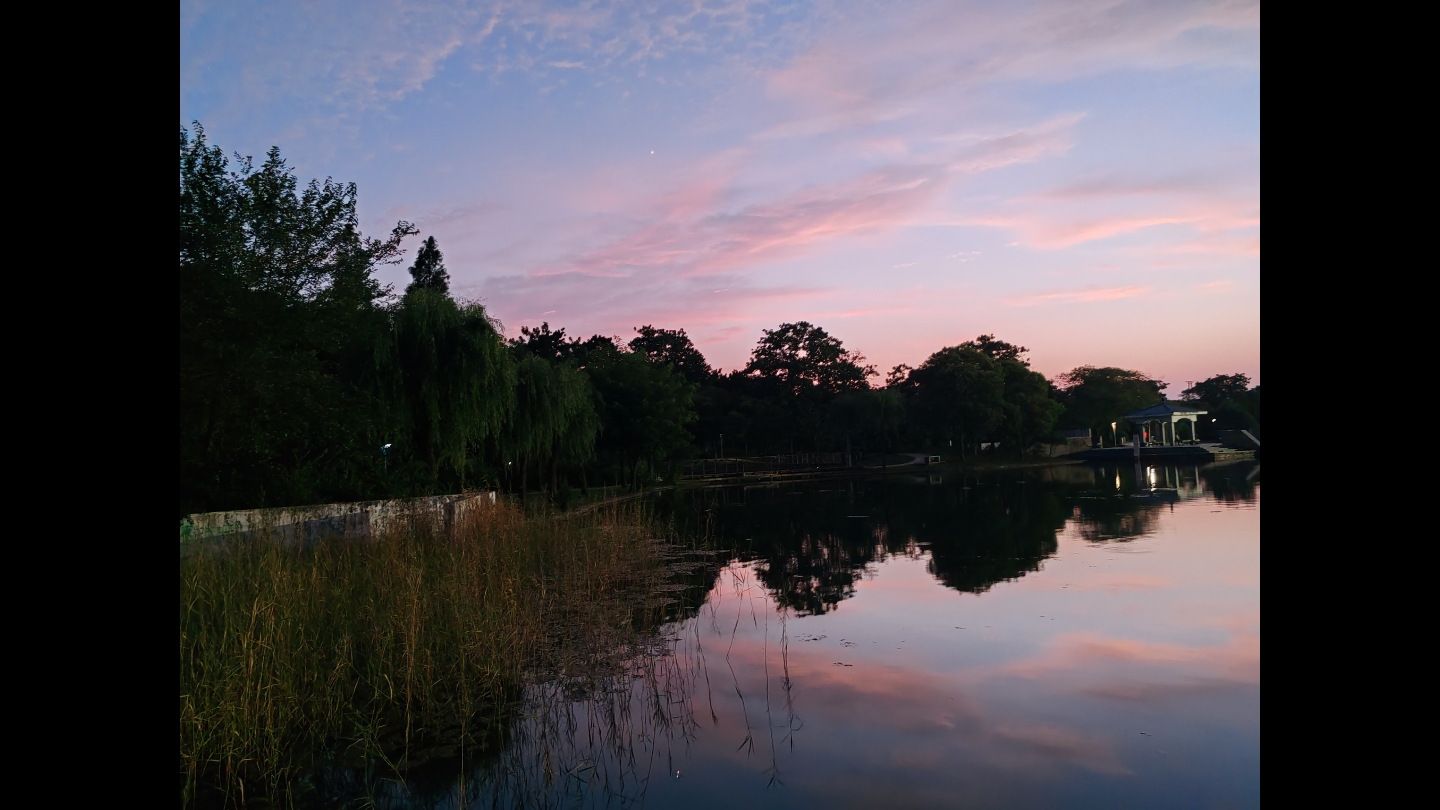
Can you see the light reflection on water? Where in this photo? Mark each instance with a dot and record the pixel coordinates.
(1051, 637)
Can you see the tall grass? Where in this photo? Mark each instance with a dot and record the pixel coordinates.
(395, 652)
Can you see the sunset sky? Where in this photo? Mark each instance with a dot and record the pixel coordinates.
(1080, 177)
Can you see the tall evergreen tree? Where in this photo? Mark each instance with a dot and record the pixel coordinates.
(429, 269)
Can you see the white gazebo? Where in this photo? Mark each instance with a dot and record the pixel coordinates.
(1165, 415)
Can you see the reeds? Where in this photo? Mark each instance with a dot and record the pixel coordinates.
(388, 654)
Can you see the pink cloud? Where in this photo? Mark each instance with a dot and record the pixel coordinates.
(692, 243)
(1118, 584)
(934, 708)
(1091, 659)
(717, 241)
(1078, 296)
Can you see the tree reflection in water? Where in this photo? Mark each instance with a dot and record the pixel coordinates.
(605, 717)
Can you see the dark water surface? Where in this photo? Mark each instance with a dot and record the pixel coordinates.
(1051, 637)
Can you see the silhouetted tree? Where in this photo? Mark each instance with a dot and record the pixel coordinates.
(1232, 403)
(645, 406)
(1029, 410)
(803, 356)
(960, 395)
(279, 319)
(1094, 397)
(1217, 389)
(897, 376)
(541, 342)
(455, 379)
(870, 419)
(555, 419)
(428, 271)
(672, 347)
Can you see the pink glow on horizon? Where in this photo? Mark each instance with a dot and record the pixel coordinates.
(1064, 175)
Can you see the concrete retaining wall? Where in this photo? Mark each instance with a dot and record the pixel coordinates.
(305, 525)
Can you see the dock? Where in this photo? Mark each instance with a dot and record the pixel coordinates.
(1202, 453)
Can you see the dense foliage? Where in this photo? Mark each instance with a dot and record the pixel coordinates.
(1233, 404)
(304, 380)
(280, 322)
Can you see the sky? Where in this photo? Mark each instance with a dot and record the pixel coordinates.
(1078, 177)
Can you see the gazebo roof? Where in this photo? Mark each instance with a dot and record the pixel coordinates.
(1165, 410)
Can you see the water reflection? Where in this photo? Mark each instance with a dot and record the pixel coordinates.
(813, 542)
(977, 641)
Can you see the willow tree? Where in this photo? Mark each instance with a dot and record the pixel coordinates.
(455, 380)
(555, 419)
(575, 444)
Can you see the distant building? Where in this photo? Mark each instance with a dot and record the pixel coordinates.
(1163, 418)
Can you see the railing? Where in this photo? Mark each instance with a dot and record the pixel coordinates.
(735, 467)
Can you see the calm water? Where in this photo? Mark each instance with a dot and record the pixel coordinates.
(1052, 637)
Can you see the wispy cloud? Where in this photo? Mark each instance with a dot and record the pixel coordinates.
(692, 233)
(691, 244)
(1089, 657)
(934, 708)
(865, 71)
(797, 148)
(1078, 296)
(376, 52)
(1219, 221)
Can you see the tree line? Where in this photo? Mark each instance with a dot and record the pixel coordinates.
(304, 380)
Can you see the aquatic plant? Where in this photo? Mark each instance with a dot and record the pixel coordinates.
(383, 657)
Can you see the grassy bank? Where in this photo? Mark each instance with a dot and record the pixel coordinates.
(396, 654)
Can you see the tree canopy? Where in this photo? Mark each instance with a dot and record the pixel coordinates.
(1218, 389)
(960, 394)
(304, 380)
(802, 356)
(279, 316)
(646, 407)
(455, 380)
(428, 271)
(1234, 405)
(1096, 396)
(674, 348)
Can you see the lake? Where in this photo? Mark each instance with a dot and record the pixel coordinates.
(1066, 636)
